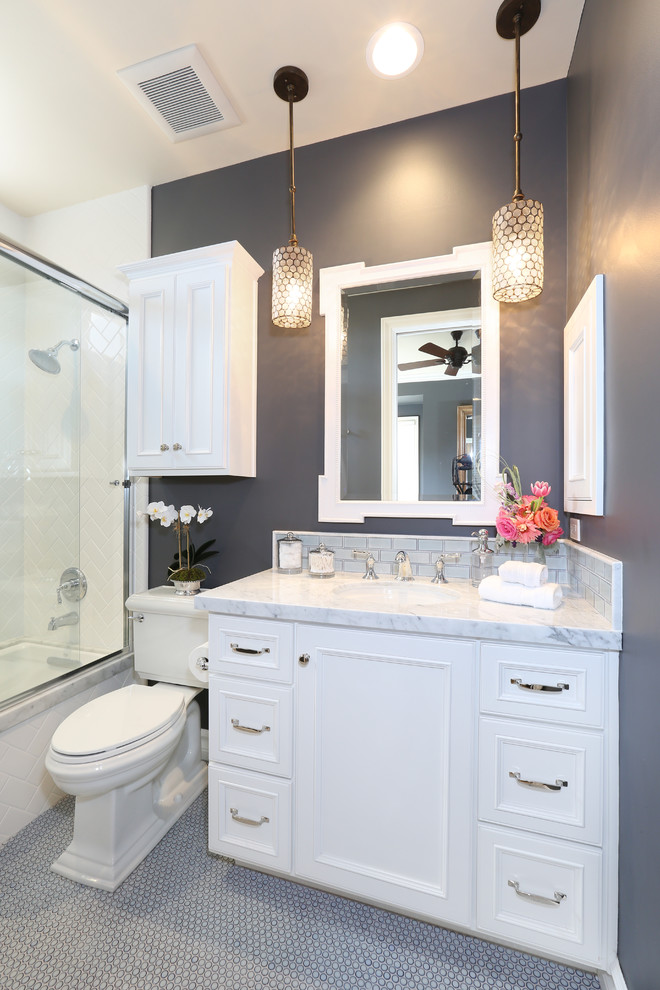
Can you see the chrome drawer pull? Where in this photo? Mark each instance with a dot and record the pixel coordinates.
(247, 652)
(250, 821)
(557, 786)
(540, 687)
(248, 728)
(539, 898)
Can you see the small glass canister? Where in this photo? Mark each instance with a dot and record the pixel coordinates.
(289, 554)
(322, 562)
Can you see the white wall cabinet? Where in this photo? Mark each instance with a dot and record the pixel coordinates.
(470, 783)
(192, 363)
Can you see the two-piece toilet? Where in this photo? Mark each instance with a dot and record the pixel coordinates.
(132, 757)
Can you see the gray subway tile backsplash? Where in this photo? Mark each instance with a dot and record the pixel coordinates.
(582, 572)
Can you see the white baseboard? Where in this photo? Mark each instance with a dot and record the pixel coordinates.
(613, 981)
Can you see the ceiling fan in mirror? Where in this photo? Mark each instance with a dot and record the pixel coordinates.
(453, 357)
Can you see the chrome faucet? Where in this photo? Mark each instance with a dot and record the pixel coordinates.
(68, 619)
(404, 569)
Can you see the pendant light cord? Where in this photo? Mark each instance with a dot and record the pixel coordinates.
(293, 240)
(517, 137)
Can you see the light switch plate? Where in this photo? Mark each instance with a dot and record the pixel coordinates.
(574, 529)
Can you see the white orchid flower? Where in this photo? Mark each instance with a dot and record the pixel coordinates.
(203, 514)
(155, 510)
(168, 515)
(187, 513)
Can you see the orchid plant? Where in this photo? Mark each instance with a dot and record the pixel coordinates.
(525, 518)
(187, 564)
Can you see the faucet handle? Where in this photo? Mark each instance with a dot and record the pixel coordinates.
(444, 558)
(370, 561)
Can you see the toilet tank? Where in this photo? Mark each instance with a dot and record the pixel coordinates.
(170, 628)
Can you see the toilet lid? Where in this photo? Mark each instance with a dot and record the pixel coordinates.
(118, 720)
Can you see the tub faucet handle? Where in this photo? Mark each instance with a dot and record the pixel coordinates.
(72, 586)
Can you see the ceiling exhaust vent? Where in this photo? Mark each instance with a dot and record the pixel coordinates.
(181, 94)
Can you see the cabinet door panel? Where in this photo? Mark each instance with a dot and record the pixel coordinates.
(150, 364)
(383, 796)
(200, 395)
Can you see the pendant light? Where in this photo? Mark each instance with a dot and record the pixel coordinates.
(518, 226)
(292, 265)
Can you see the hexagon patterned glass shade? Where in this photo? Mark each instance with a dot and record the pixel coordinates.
(518, 251)
(293, 272)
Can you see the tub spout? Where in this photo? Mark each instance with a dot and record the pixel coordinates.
(69, 619)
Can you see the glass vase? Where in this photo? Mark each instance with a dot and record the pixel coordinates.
(536, 553)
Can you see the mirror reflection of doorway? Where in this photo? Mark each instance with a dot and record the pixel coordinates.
(464, 438)
(462, 475)
(407, 461)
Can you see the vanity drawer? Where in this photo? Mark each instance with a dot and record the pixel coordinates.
(251, 647)
(250, 818)
(559, 685)
(251, 725)
(544, 779)
(540, 893)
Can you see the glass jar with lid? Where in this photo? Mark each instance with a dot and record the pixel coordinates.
(289, 554)
(322, 562)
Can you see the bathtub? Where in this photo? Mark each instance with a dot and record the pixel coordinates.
(25, 665)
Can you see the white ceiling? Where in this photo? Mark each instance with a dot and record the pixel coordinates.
(71, 131)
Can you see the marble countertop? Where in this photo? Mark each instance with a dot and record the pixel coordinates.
(453, 609)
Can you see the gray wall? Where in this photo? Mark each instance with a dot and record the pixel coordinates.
(614, 228)
(410, 190)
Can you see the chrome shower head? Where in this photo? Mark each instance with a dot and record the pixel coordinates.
(47, 360)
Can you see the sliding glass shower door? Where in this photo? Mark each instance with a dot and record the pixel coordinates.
(62, 500)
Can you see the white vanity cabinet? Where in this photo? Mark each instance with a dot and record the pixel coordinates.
(192, 361)
(471, 783)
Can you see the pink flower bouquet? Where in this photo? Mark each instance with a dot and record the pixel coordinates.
(525, 518)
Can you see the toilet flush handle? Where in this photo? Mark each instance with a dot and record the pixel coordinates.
(136, 617)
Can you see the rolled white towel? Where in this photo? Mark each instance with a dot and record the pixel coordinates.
(494, 589)
(531, 575)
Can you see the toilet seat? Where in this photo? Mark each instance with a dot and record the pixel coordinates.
(117, 722)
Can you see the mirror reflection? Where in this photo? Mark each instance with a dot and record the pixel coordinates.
(411, 390)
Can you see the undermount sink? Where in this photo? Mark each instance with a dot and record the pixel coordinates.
(406, 593)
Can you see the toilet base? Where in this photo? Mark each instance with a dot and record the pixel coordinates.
(113, 832)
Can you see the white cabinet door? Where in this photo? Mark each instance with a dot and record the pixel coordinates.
(199, 386)
(384, 756)
(150, 370)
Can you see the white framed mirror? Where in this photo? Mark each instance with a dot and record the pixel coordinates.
(411, 389)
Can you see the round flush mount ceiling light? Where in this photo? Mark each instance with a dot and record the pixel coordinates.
(395, 50)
